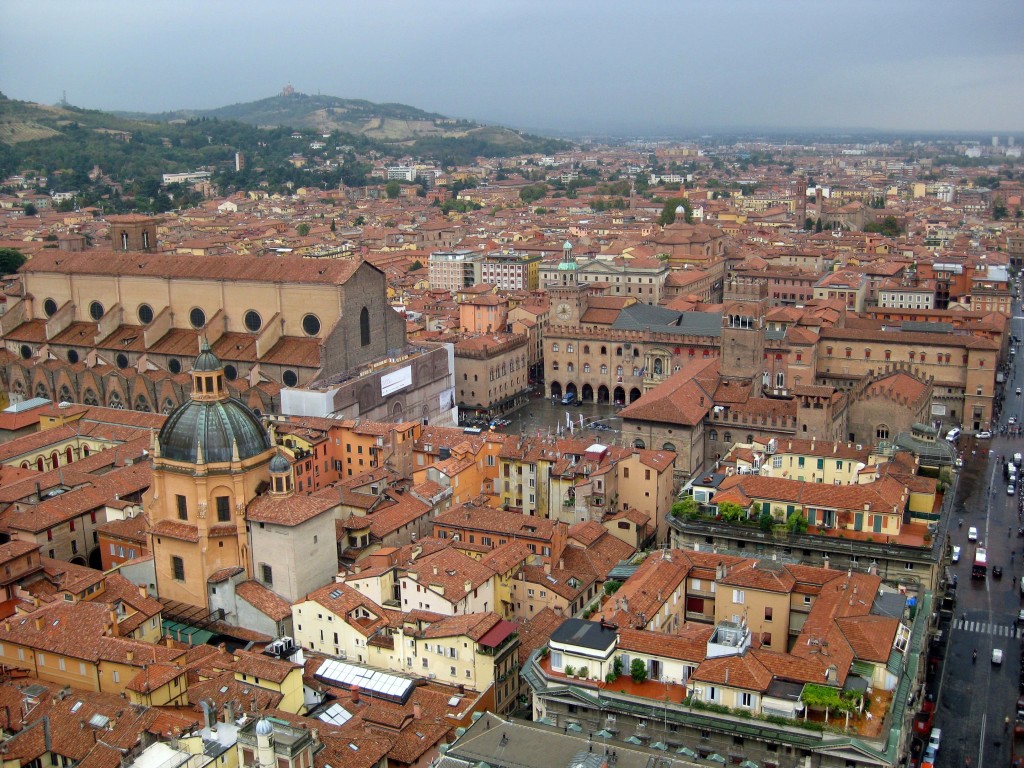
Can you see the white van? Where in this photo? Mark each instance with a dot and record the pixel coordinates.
(953, 434)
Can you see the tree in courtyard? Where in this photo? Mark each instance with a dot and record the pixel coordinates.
(10, 260)
(392, 189)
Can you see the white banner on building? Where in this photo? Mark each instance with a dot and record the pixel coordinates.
(392, 382)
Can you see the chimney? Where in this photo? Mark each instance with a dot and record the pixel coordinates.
(435, 569)
(142, 590)
(417, 711)
(115, 630)
(130, 655)
(229, 712)
(39, 621)
(355, 694)
(468, 585)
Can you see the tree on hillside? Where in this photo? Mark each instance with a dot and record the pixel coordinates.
(10, 260)
(392, 188)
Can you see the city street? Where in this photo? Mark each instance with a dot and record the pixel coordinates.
(976, 697)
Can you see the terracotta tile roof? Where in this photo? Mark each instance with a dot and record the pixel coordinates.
(291, 510)
(267, 602)
(259, 269)
(263, 667)
(684, 398)
(690, 644)
(870, 637)
(471, 625)
(341, 600)
(173, 529)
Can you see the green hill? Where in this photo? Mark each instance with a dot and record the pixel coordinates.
(407, 128)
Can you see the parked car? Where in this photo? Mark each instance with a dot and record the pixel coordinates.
(984, 435)
(997, 571)
(1011, 489)
(934, 738)
(972, 534)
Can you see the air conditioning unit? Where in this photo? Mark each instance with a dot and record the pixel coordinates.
(432, 676)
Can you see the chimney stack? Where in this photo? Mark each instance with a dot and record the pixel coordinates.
(417, 711)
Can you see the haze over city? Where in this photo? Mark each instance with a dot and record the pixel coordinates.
(632, 68)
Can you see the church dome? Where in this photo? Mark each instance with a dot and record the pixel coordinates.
(212, 425)
(216, 426)
(280, 464)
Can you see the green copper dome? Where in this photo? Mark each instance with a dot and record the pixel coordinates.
(215, 426)
(212, 426)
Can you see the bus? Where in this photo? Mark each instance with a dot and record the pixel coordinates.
(980, 568)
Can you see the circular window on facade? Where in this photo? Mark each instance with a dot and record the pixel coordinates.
(253, 321)
(49, 307)
(95, 310)
(26, 351)
(174, 365)
(290, 378)
(72, 355)
(145, 313)
(197, 317)
(121, 360)
(230, 372)
(311, 325)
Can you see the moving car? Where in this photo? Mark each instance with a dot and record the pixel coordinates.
(984, 435)
(956, 555)
(1018, 391)
(972, 534)
(1011, 489)
(997, 571)
(997, 656)
(953, 434)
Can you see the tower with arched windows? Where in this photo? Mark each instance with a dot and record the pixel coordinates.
(743, 311)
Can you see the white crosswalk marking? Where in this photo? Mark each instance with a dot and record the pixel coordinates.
(987, 628)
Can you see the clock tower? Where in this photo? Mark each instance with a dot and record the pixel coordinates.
(567, 295)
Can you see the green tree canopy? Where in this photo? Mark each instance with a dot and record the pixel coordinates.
(638, 670)
(533, 193)
(392, 188)
(668, 211)
(10, 260)
(730, 511)
(302, 229)
(686, 507)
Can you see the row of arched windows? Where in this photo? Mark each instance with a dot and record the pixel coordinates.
(54, 461)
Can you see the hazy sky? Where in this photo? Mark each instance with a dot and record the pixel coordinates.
(633, 66)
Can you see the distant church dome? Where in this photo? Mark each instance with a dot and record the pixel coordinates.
(211, 424)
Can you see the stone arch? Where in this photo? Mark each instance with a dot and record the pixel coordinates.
(114, 400)
(620, 396)
(89, 397)
(570, 388)
(602, 394)
(42, 391)
(587, 393)
(142, 403)
(634, 395)
(556, 389)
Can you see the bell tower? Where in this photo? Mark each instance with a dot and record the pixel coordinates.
(567, 294)
(743, 326)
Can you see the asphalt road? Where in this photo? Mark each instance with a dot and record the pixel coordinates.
(975, 697)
